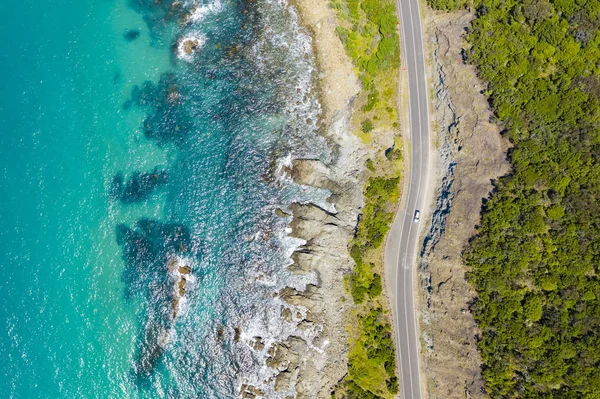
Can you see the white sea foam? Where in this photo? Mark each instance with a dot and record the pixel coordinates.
(198, 12)
(189, 45)
(283, 164)
(285, 46)
(272, 329)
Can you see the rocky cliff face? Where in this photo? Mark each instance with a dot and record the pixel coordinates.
(471, 154)
(314, 368)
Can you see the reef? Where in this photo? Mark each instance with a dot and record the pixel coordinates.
(138, 187)
(156, 252)
(167, 120)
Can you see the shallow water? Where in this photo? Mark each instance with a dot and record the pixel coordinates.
(122, 152)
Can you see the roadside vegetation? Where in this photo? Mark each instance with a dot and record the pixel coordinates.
(368, 31)
(448, 5)
(371, 360)
(536, 256)
(367, 28)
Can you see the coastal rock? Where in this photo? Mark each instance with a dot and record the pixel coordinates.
(282, 356)
(314, 173)
(258, 344)
(312, 369)
(190, 45)
(286, 314)
(187, 46)
(279, 212)
(283, 381)
(180, 271)
(250, 391)
(308, 299)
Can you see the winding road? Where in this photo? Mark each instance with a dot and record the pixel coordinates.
(401, 244)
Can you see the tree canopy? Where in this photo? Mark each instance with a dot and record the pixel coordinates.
(534, 261)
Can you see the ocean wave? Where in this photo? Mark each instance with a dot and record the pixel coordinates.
(198, 12)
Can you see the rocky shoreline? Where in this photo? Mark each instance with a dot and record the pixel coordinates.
(312, 367)
(309, 370)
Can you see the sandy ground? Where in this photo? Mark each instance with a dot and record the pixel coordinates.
(471, 153)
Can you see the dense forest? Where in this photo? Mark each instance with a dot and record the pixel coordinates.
(536, 256)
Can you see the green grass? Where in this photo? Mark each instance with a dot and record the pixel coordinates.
(368, 31)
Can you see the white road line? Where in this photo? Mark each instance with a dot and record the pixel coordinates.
(406, 204)
(418, 199)
(428, 151)
(416, 130)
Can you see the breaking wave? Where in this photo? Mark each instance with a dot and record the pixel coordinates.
(237, 107)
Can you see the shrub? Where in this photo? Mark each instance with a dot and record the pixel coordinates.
(366, 126)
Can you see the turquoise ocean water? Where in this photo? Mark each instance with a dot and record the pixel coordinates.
(124, 150)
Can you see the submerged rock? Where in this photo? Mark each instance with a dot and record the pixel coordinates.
(158, 270)
(131, 35)
(139, 186)
(157, 13)
(168, 120)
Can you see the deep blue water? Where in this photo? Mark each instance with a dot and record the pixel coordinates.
(122, 155)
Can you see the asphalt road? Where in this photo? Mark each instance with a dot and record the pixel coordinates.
(401, 247)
